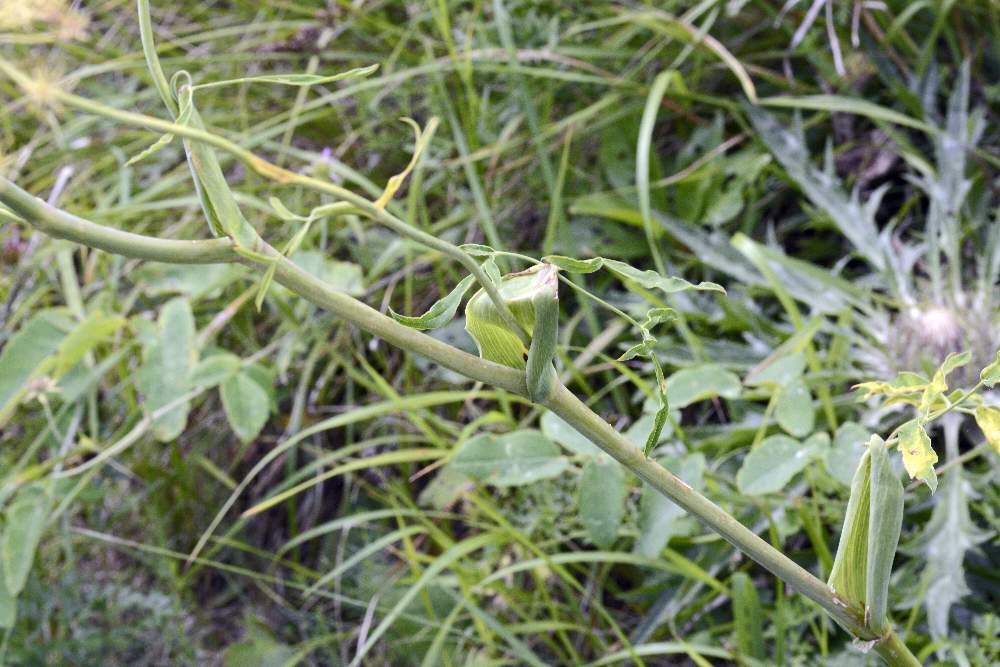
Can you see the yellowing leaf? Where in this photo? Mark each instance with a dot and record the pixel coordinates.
(989, 421)
(918, 455)
(991, 374)
(421, 139)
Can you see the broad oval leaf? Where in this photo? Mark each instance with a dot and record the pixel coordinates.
(29, 354)
(602, 500)
(168, 359)
(247, 405)
(24, 527)
(559, 431)
(793, 409)
(512, 459)
(215, 369)
(848, 447)
(772, 464)
(690, 385)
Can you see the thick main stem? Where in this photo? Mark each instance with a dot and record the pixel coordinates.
(67, 226)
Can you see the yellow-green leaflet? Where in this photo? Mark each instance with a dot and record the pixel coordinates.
(532, 297)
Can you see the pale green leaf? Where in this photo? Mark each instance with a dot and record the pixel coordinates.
(25, 523)
(793, 409)
(483, 321)
(169, 357)
(850, 567)
(772, 464)
(602, 500)
(8, 604)
(748, 616)
(848, 447)
(512, 459)
(246, 404)
(884, 526)
(848, 105)
(84, 337)
(557, 430)
(215, 369)
(291, 79)
(691, 385)
(28, 355)
(659, 517)
(777, 372)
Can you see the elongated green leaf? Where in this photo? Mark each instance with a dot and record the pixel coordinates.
(690, 385)
(25, 522)
(441, 313)
(292, 79)
(773, 463)
(884, 526)
(246, 404)
(648, 279)
(602, 500)
(748, 616)
(153, 148)
(849, 575)
(512, 459)
(540, 374)
(169, 357)
(219, 204)
(84, 337)
(29, 354)
(793, 409)
(851, 105)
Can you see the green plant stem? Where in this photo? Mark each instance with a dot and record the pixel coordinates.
(285, 177)
(561, 401)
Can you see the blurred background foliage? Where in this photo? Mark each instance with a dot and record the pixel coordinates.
(832, 164)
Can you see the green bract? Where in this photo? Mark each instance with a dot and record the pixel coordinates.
(533, 298)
